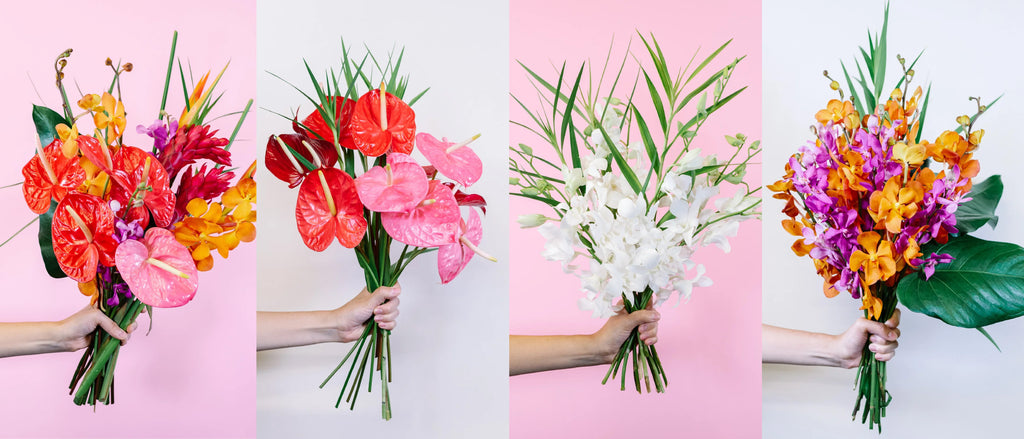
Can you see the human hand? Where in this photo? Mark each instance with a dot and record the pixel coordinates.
(75, 332)
(850, 344)
(382, 305)
(616, 330)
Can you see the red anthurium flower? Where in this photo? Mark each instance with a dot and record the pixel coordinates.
(378, 129)
(396, 187)
(50, 175)
(329, 208)
(452, 258)
(280, 161)
(142, 185)
(97, 152)
(318, 128)
(455, 160)
(433, 222)
(83, 228)
(159, 269)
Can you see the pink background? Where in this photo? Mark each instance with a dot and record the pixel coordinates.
(710, 346)
(193, 376)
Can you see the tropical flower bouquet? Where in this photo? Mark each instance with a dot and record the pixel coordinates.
(886, 216)
(133, 227)
(359, 184)
(635, 198)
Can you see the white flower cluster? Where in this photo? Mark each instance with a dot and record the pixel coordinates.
(619, 231)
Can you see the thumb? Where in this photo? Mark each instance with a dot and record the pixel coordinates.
(111, 327)
(383, 294)
(637, 318)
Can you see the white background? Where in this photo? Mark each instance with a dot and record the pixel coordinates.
(451, 346)
(946, 382)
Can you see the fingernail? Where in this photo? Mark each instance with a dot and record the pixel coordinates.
(892, 334)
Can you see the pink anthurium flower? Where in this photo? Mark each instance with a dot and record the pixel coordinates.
(396, 187)
(159, 269)
(454, 160)
(452, 258)
(433, 222)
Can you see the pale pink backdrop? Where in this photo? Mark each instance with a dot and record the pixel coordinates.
(710, 346)
(194, 375)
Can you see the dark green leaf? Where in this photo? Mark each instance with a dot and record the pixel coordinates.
(46, 243)
(981, 210)
(983, 285)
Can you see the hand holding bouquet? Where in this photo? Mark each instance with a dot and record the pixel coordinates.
(636, 199)
(133, 227)
(885, 215)
(358, 184)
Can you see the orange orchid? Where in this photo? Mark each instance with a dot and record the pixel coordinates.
(68, 135)
(872, 304)
(839, 111)
(110, 117)
(894, 204)
(875, 258)
(206, 228)
(240, 199)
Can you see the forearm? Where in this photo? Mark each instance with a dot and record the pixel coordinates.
(790, 346)
(27, 338)
(275, 330)
(529, 354)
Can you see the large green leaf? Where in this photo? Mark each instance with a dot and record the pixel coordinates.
(46, 121)
(981, 210)
(983, 285)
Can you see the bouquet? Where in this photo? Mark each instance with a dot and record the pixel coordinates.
(886, 216)
(359, 184)
(132, 226)
(635, 198)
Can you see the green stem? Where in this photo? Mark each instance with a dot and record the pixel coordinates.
(167, 78)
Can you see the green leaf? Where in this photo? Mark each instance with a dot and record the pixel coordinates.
(981, 210)
(46, 243)
(46, 121)
(983, 285)
(989, 337)
(924, 112)
(645, 135)
(656, 99)
(548, 201)
(627, 171)
(567, 124)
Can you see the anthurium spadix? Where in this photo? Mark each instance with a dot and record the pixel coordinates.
(282, 162)
(398, 186)
(454, 160)
(433, 222)
(159, 269)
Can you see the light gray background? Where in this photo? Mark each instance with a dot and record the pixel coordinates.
(946, 382)
(451, 345)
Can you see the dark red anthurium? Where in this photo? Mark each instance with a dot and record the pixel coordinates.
(374, 135)
(280, 162)
(83, 228)
(142, 187)
(50, 176)
(328, 208)
(317, 128)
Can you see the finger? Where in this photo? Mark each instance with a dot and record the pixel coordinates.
(387, 307)
(649, 341)
(132, 327)
(389, 317)
(111, 327)
(877, 328)
(648, 334)
(618, 308)
(894, 321)
(885, 357)
(384, 294)
(643, 316)
(886, 348)
(387, 325)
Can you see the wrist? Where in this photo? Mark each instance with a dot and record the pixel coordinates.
(598, 352)
(55, 338)
(828, 351)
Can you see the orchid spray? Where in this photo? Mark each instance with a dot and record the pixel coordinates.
(634, 199)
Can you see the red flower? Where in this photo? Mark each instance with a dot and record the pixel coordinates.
(191, 144)
(142, 185)
(280, 162)
(328, 207)
(205, 184)
(375, 136)
(343, 109)
(83, 228)
(53, 179)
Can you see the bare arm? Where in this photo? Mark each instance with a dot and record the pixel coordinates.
(70, 334)
(275, 330)
(529, 354)
(791, 346)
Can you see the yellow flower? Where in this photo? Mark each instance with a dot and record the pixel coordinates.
(69, 137)
(96, 181)
(875, 257)
(204, 230)
(910, 155)
(91, 102)
(110, 117)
